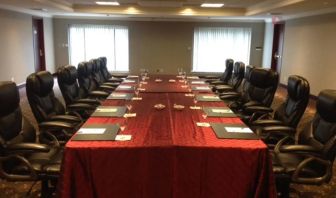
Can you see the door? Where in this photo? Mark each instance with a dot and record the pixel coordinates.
(38, 42)
(278, 39)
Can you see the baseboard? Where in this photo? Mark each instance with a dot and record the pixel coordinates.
(311, 96)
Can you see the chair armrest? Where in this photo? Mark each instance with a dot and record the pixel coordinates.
(99, 94)
(297, 176)
(27, 147)
(265, 123)
(259, 109)
(55, 125)
(106, 87)
(230, 96)
(111, 84)
(89, 101)
(252, 103)
(224, 88)
(297, 148)
(217, 82)
(81, 106)
(15, 177)
(65, 118)
(285, 130)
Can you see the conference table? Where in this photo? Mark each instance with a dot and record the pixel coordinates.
(169, 155)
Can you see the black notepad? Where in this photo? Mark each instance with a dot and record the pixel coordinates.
(208, 98)
(227, 131)
(97, 132)
(109, 111)
(120, 96)
(219, 112)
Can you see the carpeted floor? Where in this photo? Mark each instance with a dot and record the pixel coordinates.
(19, 189)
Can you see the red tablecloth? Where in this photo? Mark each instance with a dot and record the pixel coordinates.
(168, 156)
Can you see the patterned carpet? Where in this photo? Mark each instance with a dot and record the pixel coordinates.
(19, 189)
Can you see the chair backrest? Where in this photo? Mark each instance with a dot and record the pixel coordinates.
(262, 86)
(245, 83)
(321, 131)
(225, 77)
(96, 74)
(67, 82)
(103, 69)
(13, 128)
(41, 97)
(85, 80)
(291, 111)
(238, 75)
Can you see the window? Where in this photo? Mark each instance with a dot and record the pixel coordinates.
(93, 41)
(213, 45)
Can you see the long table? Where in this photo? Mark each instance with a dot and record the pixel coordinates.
(168, 156)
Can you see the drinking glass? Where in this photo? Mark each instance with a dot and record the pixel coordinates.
(195, 101)
(123, 124)
(136, 92)
(204, 115)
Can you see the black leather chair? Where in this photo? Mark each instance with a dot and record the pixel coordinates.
(88, 86)
(288, 113)
(234, 81)
(259, 91)
(99, 78)
(310, 161)
(225, 77)
(46, 107)
(241, 91)
(21, 158)
(106, 74)
(72, 94)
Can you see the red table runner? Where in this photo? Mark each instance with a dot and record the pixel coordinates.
(168, 156)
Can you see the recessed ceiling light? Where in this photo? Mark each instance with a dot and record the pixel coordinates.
(212, 5)
(111, 3)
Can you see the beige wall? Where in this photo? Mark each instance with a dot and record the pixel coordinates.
(153, 45)
(16, 52)
(310, 51)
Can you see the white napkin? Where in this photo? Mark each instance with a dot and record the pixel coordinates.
(189, 95)
(203, 124)
(172, 80)
(184, 86)
(195, 107)
(129, 115)
(123, 137)
(136, 98)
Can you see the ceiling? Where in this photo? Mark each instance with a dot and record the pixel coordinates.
(173, 9)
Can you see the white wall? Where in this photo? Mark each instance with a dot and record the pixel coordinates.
(49, 44)
(16, 51)
(268, 44)
(310, 51)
